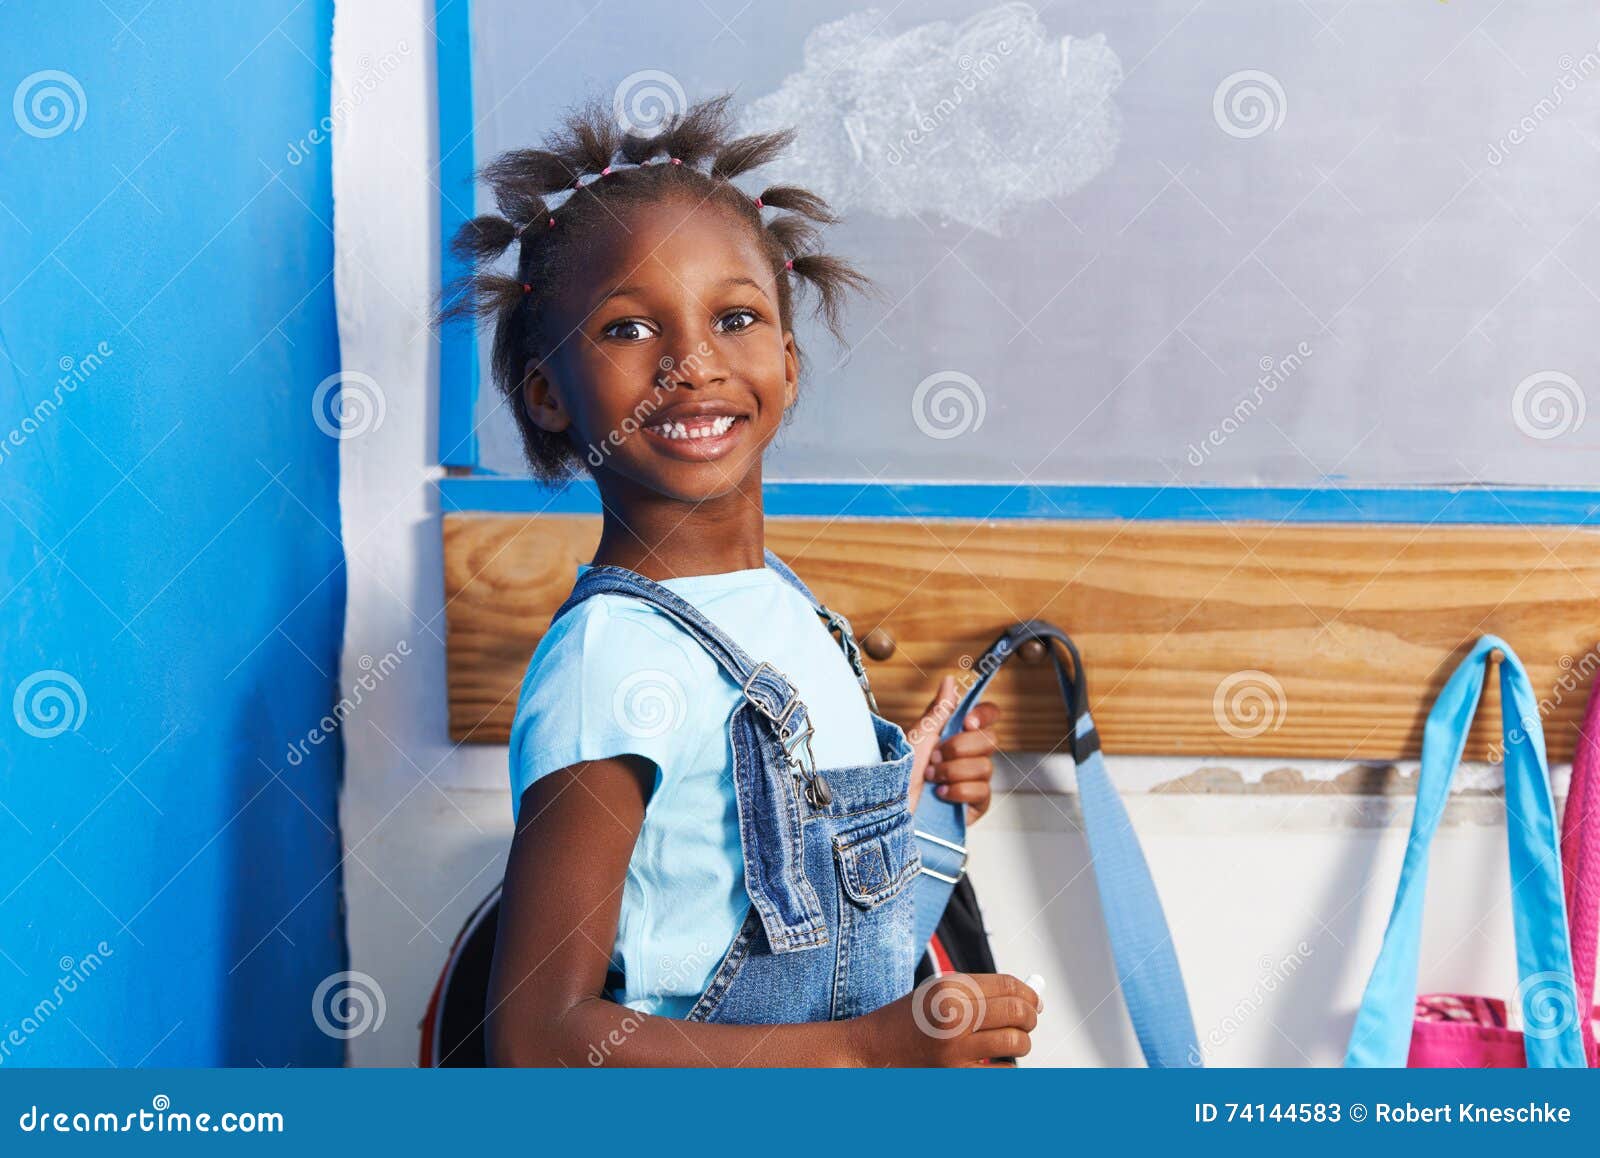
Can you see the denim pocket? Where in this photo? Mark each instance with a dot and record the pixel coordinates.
(876, 958)
(878, 860)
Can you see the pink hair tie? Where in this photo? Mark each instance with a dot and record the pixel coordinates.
(788, 265)
(526, 288)
(758, 203)
(606, 172)
(676, 161)
(552, 223)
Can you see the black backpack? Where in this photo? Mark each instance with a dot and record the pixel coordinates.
(452, 1027)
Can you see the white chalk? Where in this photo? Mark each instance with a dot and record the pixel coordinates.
(1036, 983)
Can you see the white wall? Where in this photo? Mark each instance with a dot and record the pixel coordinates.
(1247, 878)
(426, 823)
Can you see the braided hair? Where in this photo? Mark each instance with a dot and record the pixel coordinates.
(695, 155)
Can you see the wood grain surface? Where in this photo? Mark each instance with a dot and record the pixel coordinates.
(1209, 640)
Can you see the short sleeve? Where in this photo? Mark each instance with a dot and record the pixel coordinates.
(612, 677)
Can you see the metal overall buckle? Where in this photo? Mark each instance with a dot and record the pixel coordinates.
(796, 744)
(961, 871)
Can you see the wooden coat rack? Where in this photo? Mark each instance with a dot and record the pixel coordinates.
(1200, 639)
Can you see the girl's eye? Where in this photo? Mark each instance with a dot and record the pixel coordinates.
(627, 330)
(737, 320)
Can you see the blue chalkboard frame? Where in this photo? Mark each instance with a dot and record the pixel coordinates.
(458, 344)
(468, 487)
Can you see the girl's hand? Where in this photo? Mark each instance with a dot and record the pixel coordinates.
(960, 768)
(959, 1019)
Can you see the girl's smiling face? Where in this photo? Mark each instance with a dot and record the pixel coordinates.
(675, 368)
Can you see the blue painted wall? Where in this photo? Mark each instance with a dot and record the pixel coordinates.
(171, 582)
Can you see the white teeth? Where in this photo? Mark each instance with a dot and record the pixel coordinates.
(714, 429)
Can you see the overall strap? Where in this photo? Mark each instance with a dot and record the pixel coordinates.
(1546, 990)
(1136, 925)
(775, 877)
(838, 626)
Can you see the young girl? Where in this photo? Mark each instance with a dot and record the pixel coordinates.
(714, 855)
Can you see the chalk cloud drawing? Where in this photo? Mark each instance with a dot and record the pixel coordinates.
(972, 122)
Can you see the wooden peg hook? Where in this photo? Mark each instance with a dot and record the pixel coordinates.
(1033, 651)
(878, 644)
(1492, 679)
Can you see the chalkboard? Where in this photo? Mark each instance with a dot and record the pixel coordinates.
(1249, 242)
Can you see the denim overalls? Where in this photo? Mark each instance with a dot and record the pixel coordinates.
(829, 855)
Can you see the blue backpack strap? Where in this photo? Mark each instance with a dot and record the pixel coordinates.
(1147, 964)
(941, 830)
(1383, 1027)
(791, 916)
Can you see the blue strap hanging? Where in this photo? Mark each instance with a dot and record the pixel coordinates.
(1141, 944)
(1383, 1027)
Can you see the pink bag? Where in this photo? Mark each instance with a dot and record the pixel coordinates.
(1454, 1030)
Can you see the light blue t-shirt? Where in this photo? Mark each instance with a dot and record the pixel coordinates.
(615, 676)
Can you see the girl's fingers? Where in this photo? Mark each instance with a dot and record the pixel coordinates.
(970, 768)
(981, 716)
(969, 744)
(998, 1043)
(968, 792)
(1010, 1013)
